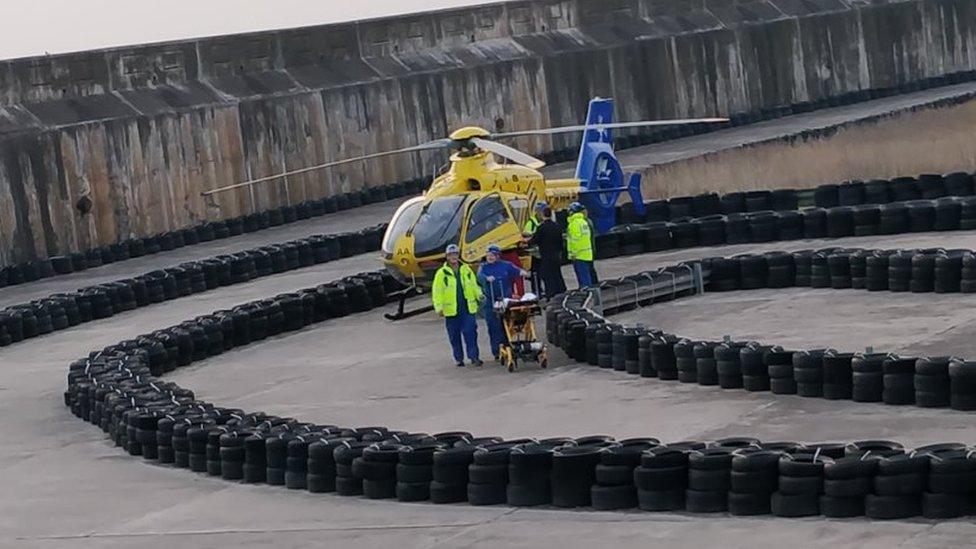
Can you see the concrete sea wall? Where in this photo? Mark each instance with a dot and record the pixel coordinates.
(141, 131)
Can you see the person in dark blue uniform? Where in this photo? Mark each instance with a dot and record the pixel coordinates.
(497, 278)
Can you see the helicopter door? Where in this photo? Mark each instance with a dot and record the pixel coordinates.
(489, 222)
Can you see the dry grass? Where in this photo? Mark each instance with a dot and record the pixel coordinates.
(926, 141)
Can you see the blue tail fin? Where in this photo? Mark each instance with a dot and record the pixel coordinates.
(601, 176)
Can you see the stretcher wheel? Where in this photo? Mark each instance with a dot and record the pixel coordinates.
(507, 356)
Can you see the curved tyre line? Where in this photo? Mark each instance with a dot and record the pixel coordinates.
(118, 389)
(132, 248)
(63, 310)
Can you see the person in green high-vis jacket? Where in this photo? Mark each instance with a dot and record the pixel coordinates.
(579, 245)
(456, 295)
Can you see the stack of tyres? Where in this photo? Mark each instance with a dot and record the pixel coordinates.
(800, 485)
(723, 274)
(488, 474)
(752, 271)
(867, 220)
(709, 471)
(711, 230)
(346, 482)
(705, 365)
(899, 380)
(780, 270)
(753, 480)
(662, 478)
(573, 473)
(948, 214)
(803, 263)
(876, 271)
(605, 344)
(657, 237)
(847, 481)
(737, 229)
(900, 271)
(819, 270)
(414, 471)
(967, 282)
(959, 184)
(808, 372)
(839, 265)
(904, 189)
(779, 366)
(967, 213)
(685, 361)
(614, 475)
(893, 219)
(921, 216)
(727, 365)
(850, 193)
(684, 233)
(755, 375)
(763, 226)
(962, 384)
(296, 463)
(789, 224)
(529, 471)
(948, 271)
(663, 358)
(826, 196)
(321, 466)
(857, 261)
(840, 222)
(838, 381)
(449, 473)
(898, 487)
(932, 384)
(950, 483)
(867, 377)
(232, 455)
(923, 271)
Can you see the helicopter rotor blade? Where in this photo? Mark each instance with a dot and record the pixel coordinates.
(610, 126)
(428, 146)
(505, 151)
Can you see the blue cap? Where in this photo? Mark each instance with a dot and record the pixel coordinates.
(452, 249)
(494, 249)
(575, 207)
(541, 205)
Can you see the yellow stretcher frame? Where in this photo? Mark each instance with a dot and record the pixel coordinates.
(517, 320)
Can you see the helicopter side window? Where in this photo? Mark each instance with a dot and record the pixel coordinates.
(486, 215)
(403, 219)
(519, 207)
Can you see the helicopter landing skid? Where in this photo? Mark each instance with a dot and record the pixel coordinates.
(402, 296)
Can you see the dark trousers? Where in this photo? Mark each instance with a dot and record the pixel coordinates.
(496, 331)
(463, 325)
(584, 272)
(551, 273)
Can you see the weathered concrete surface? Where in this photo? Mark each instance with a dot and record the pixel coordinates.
(364, 369)
(142, 130)
(928, 131)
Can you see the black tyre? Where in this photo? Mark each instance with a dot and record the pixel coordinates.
(608, 498)
(797, 505)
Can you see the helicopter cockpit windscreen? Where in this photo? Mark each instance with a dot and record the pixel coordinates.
(403, 219)
(438, 225)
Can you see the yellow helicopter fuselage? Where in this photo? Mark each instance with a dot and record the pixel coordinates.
(476, 203)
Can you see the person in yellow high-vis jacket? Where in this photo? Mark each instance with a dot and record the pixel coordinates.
(456, 294)
(579, 245)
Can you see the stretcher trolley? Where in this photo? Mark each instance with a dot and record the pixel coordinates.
(517, 317)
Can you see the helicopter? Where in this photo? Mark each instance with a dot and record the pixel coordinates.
(480, 201)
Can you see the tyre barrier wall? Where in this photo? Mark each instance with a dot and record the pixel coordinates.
(118, 389)
(850, 193)
(211, 230)
(929, 382)
(922, 215)
(63, 310)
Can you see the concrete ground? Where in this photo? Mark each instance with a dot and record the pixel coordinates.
(64, 485)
